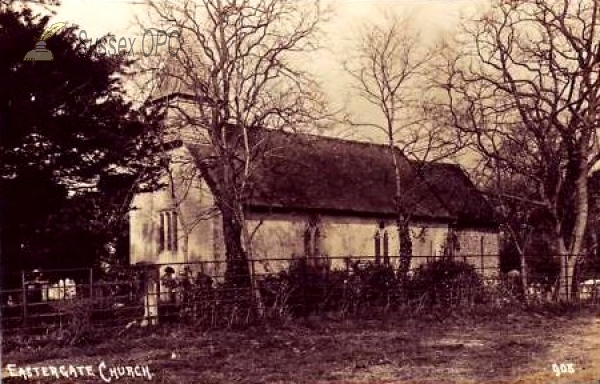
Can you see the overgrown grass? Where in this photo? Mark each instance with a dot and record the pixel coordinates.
(457, 346)
(443, 289)
(444, 325)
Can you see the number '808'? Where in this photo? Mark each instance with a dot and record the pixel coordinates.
(560, 369)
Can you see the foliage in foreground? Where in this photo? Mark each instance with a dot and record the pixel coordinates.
(440, 289)
(307, 288)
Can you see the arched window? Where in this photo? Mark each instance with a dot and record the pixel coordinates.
(312, 238)
(377, 239)
(451, 245)
(161, 234)
(168, 232)
(175, 233)
(169, 222)
(386, 253)
(316, 241)
(308, 241)
(381, 240)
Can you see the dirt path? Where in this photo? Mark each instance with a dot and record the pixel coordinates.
(502, 349)
(579, 345)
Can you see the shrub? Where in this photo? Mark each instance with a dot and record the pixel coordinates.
(501, 291)
(307, 282)
(77, 328)
(274, 294)
(372, 285)
(307, 288)
(445, 283)
(337, 295)
(205, 303)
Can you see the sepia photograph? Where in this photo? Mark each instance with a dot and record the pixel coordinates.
(300, 191)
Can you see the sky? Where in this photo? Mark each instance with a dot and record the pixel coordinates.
(117, 16)
(434, 18)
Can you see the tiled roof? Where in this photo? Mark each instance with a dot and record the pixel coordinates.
(317, 173)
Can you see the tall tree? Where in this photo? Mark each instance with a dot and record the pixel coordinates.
(388, 66)
(516, 211)
(528, 75)
(64, 125)
(236, 69)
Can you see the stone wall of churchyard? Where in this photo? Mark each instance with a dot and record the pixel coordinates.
(476, 247)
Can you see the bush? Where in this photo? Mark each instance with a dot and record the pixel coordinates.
(307, 288)
(76, 327)
(223, 305)
(307, 284)
(372, 285)
(274, 294)
(445, 283)
(502, 291)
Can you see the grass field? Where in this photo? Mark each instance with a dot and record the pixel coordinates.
(495, 348)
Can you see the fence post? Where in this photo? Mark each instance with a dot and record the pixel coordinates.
(258, 300)
(24, 297)
(151, 292)
(566, 264)
(156, 278)
(304, 286)
(91, 284)
(253, 300)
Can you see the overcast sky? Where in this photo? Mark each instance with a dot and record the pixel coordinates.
(102, 16)
(433, 17)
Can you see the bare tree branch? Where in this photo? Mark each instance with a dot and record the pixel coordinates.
(523, 90)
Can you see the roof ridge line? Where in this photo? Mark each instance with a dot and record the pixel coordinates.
(331, 138)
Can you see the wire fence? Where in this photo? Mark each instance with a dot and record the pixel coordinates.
(52, 301)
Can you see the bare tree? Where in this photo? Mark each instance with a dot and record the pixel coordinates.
(388, 66)
(511, 195)
(234, 71)
(527, 78)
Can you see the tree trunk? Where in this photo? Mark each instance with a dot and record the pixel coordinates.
(185, 246)
(402, 222)
(564, 285)
(247, 239)
(405, 246)
(524, 275)
(237, 273)
(569, 257)
(526, 236)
